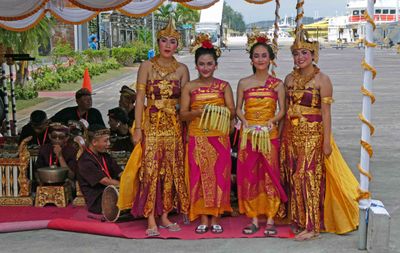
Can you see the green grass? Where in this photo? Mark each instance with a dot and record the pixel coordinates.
(22, 104)
(96, 80)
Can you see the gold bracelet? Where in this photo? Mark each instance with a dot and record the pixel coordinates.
(327, 100)
(141, 86)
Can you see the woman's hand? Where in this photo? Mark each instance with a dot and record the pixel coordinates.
(327, 148)
(198, 112)
(270, 124)
(137, 136)
(245, 124)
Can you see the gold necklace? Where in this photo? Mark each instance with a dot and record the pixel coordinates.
(164, 71)
(300, 81)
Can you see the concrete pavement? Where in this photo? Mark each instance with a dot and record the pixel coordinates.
(343, 67)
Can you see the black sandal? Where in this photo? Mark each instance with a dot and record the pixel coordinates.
(201, 229)
(216, 229)
(250, 229)
(270, 230)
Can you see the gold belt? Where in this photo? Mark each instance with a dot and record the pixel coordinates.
(163, 103)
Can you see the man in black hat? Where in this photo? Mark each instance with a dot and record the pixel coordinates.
(96, 168)
(127, 101)
(120, 135)
(58, 152)
(84, 110)
(37, 128)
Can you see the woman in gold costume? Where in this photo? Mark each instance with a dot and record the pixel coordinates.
(258, 176)
(207, 105)
(158, 129)
(313, 169)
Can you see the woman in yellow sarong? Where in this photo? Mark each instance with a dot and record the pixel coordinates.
(158, 129)
(322, 189)
(207, 105)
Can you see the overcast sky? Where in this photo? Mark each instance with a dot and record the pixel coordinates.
(258, 12)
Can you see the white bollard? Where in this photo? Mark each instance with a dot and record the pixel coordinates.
(378, 235)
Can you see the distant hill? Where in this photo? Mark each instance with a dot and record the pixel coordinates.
(265, 25)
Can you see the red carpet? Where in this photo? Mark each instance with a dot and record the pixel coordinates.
(76, 220)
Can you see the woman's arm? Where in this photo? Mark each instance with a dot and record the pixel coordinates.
(185, 113)
(228, 96)
(239, 103)
(140, 97)
(186, 76)
(280, 89)
(326, 91)
(285, 105)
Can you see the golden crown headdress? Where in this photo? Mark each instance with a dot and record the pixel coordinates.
(257, 37)
(203, 40)
(302, 41)
(169, 30)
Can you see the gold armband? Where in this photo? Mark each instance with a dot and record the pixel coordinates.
(140, 86)
(327, 100)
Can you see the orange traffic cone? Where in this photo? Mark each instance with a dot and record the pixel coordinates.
(86, 80)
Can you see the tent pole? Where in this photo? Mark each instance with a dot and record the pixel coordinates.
(276, 35)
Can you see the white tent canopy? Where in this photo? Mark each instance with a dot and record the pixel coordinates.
(21, 15)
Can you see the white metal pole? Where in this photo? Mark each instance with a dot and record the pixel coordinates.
(397, 10)
(153, 33)
(365, 130)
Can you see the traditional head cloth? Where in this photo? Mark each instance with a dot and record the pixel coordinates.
(56, 126)
(118, 114)
(302, 41)
(169, 31)
(203, 40)
(97, 130)
(257, 37)
(126, 91)
(38, 117)
(82, 92)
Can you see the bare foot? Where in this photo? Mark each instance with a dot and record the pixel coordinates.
(307, 236)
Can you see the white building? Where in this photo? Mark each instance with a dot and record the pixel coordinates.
(352, 27)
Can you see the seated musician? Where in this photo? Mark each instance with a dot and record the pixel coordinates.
(59, 152)
(37, 128)
(120, 135)
(127, 101)
(83, 110)
(96, 168)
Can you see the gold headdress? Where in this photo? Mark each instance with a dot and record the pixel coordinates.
(302, 41)
(169, 31)
(203, 40)
(257, 37)
(58, 127)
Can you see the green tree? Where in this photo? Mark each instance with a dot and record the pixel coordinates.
(27, 42)
(184, 15)
(181, 14)
(233, 19)
(165, 11)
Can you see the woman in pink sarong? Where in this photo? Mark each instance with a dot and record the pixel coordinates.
(258, 175)
(209, 147)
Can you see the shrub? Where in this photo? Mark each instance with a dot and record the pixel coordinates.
(124, 56)
(96, 55)
(62, 49)
(27, 92)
